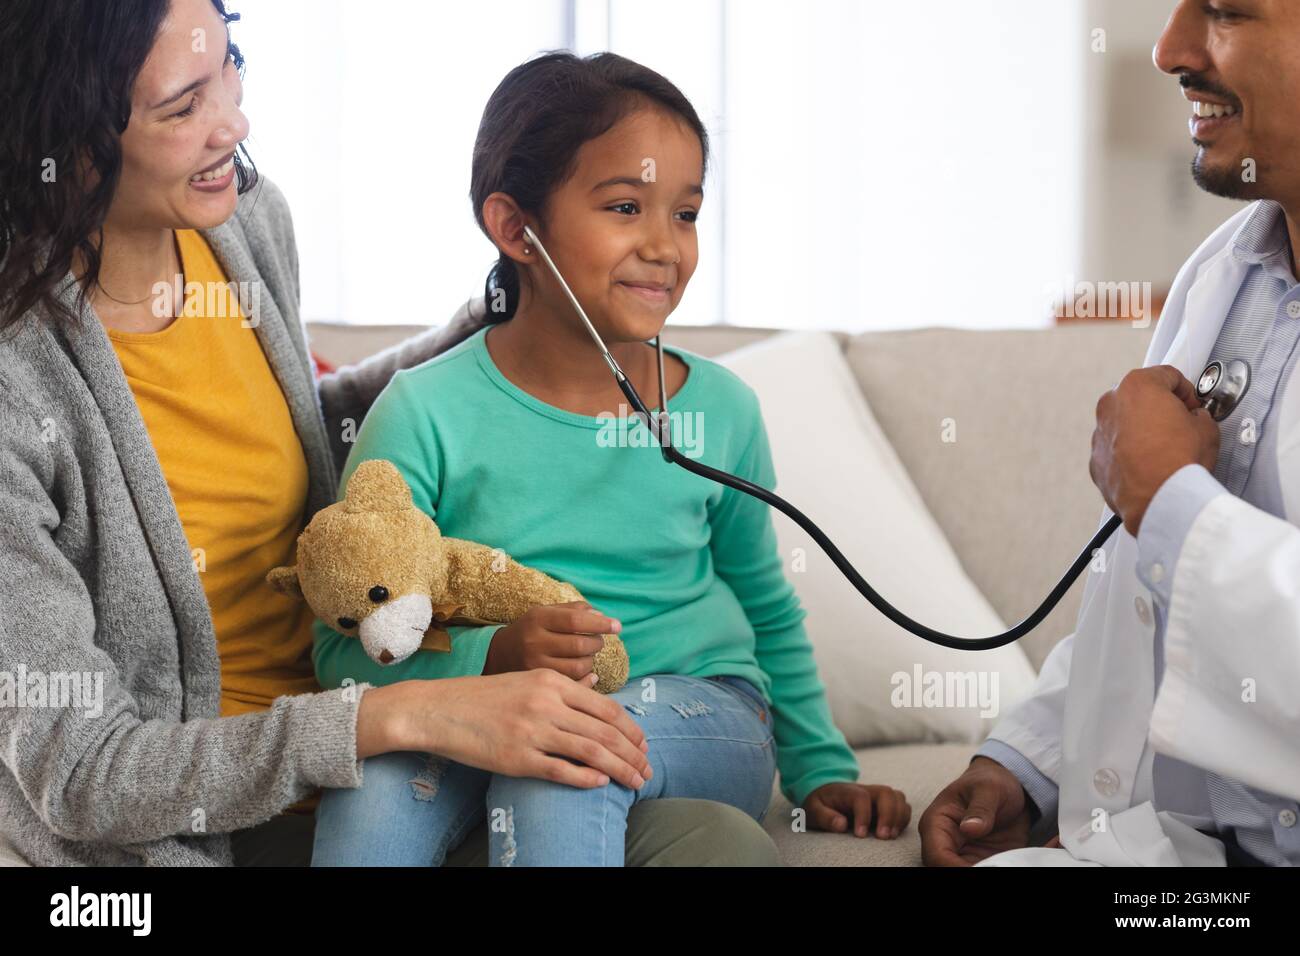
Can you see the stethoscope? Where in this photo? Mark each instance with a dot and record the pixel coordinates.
(1220, 388)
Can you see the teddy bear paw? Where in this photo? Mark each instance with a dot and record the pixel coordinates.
(611, 665)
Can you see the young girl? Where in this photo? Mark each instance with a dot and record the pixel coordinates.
(519, 438)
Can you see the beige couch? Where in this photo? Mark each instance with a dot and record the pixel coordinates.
(1013, 498)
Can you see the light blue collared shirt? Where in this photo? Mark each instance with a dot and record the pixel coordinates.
(1263, 327)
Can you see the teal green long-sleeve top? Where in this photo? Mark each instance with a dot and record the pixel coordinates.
(690, 567)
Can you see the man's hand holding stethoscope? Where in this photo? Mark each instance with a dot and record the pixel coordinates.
(1148, 426)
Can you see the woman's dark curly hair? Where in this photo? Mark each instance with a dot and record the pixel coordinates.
(67, 69)
(536, 121)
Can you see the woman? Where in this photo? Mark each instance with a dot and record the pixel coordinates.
(162, 443)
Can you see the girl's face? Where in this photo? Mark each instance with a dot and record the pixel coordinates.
(185, 122)
(622, 228)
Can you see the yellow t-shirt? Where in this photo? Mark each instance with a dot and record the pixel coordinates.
(221, 427)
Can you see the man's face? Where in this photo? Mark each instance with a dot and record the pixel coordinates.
(1239, 64)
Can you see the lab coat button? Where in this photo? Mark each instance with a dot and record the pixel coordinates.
(1287, 818)
(1106, 781)
(1157, 572)
(1143, 610)
(1293, 309)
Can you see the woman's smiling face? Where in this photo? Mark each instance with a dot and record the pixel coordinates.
(621, 229)
(185, 125)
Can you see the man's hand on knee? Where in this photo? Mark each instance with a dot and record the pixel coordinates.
(982, 812)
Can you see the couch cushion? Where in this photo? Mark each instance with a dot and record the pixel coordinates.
(919, 770)
(833, 463)
(1012, 493)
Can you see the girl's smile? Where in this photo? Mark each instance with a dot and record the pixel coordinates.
(656, 294)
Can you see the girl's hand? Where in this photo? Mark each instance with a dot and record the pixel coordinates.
(535, 724)
(832, 805)
(562, 637)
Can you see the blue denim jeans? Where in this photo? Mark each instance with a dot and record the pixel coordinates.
(710, 738)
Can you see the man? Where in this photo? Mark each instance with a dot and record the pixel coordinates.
(1166, 729)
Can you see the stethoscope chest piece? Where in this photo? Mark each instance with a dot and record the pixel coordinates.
(1222, 386)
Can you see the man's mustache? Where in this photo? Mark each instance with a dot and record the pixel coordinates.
(1196, 83)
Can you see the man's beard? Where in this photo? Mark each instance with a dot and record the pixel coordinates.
(1227, 182)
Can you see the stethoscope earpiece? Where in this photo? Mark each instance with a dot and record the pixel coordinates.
(530, 240)
(1221, 387)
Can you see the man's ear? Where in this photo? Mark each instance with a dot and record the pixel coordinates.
(505, 223)
(285, 581)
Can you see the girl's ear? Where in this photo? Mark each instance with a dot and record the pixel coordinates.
(505, 223)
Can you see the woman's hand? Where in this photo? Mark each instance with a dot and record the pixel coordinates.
(562, 637)
(833, 805)
(530, 724)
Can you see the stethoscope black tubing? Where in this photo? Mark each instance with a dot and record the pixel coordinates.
(671, 453)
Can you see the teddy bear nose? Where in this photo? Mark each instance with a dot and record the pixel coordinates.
(385, 657)
(379, 594)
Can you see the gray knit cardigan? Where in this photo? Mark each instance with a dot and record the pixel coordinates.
(97, 584)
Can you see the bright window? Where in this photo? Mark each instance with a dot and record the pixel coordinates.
(874, 165)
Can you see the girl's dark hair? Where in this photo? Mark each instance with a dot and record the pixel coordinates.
(67, 69)
(536, 121)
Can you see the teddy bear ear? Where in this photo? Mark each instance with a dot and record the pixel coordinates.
(377, 485)
(285, 581)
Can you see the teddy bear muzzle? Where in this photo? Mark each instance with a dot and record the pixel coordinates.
(393, 632)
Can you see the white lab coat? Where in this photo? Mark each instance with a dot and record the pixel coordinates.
(1234, 618)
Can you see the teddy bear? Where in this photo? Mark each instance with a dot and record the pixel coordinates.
(376, 567)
